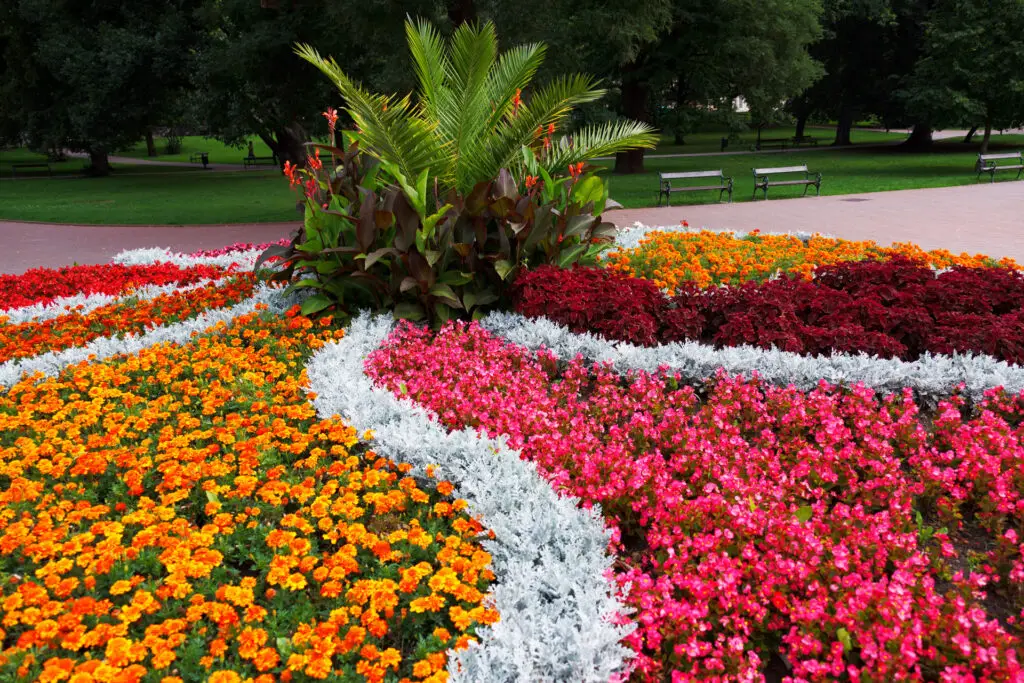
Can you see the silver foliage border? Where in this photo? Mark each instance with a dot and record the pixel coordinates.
(553, 592)
(932, 377)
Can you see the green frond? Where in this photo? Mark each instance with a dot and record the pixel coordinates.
(514, 71)
(430, 61)
(599, 140)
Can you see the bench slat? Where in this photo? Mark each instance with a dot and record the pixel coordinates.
(1009, 155)
(792, 182)
(781, 169)
(687, 188)
(691, 174)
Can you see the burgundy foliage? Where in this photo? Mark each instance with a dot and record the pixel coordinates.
(892, 309)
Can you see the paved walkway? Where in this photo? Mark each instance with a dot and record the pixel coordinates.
(982, 218)
(29, 245)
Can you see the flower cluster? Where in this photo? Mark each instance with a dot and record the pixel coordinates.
(43, 285)
(674, 259)
(129, 316)
(238, 246)
(763, 526)
(893, 309)
(181, 515)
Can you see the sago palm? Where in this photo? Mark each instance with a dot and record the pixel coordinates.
(469, 118)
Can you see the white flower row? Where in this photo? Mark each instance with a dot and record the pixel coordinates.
(245, 260)
(932, 377)
(549, 555)
(84, 303)
(52, 362)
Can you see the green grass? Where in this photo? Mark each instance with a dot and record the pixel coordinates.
(710, 141)
(219, 152)
(151, 198)
(168, 195)
(72, 166)
(844, 172)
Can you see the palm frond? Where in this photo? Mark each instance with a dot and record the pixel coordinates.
(390, 127)
(430, 62)
(514, 71)
(599, 140)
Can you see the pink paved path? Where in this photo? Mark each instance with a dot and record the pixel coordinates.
(981, 218)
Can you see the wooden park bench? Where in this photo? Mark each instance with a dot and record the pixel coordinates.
(31, 164)
(199, 157)
(781, 143)
(804, 140)
(666, 189)
(762, 179)
(988, 163)
(248, 162)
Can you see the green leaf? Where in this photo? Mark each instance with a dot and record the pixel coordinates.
(447, 294)
(577, 226)
(804, 513)
(843, 636)
(432, 256)
(409, 311)
(504, 268)
(455, 278)
(315, 304)
(569, 257)
(211, 496)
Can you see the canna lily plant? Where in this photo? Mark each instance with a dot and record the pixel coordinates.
(470, 118)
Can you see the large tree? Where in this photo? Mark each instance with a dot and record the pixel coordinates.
(249, 80)
(90, 75)
(972, 69)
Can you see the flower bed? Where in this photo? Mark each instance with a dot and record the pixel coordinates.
(44, 285)
(674, 259)
(130, 316)
(760, 520)
(237, 247)
(892, 309)
(181, 515)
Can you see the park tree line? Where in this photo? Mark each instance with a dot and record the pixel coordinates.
(96, 76)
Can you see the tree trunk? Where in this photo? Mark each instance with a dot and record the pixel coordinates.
(634, 105)
(987, 137)
(970, 135)
(801, 124)
(99, 162)
(150, 145)
(679, 139)
(288, 144)
(461, 12)
(920, 137)
(843, 127)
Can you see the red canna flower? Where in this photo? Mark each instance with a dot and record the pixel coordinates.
(332, 119)
(289, 171)
(531, 181)
(516, 101)
(575, 170)
(314, 161)
(551, 129)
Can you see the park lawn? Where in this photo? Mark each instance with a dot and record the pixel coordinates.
(151, 198)
(218, 151)
(710, 141)
(844, 172)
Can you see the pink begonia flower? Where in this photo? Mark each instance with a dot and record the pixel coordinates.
(751, 519)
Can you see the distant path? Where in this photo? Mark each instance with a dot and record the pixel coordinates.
(135, 161)
(983, 218)
(974, 218)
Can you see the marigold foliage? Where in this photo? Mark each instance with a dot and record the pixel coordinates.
(181, 515)
(673, 259)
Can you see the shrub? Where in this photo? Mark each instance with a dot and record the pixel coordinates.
(373, 238)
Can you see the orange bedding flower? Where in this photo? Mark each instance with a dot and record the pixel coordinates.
(28, 339)
(182, 514)
(707, 258)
